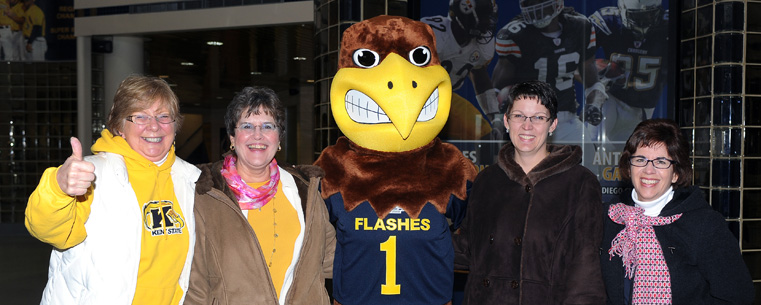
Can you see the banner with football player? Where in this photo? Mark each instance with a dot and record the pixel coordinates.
(607, 60)
(37, 30)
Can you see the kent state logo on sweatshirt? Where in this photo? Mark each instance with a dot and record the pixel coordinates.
(160, 218)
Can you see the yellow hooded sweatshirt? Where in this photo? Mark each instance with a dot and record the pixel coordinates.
(164, 242)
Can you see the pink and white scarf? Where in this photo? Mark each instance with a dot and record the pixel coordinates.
(248, 197)
(642, 254)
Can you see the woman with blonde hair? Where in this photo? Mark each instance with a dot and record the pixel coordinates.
(121, 221)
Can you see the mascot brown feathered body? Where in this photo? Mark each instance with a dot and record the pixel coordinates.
(392, 188)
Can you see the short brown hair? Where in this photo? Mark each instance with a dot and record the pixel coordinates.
(655, 132)
(249, 101)
(137, 93)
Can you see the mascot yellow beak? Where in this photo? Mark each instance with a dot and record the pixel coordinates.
(391, 99)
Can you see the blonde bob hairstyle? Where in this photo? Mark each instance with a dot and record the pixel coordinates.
(137, 93)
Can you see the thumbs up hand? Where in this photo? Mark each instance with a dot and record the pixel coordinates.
(75, 176)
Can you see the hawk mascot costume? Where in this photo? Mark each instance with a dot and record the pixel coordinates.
(393, 189)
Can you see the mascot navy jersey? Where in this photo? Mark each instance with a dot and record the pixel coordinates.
(390, 184)
(395, 260)
(394, 247)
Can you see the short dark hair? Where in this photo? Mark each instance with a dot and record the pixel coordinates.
(653, 132)
(249, 101)
(534, 89)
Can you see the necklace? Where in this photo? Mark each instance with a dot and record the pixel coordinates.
(274, 232)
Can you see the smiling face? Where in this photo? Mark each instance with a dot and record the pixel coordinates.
(529, 138)
(650, 183)
(255, 147)
(152, 140)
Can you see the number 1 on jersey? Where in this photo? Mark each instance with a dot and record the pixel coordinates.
(390, 287)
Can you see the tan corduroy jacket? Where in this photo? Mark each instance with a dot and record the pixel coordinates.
(228, 266)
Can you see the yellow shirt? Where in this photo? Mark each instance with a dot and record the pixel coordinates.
(59, 220)
(54, 217)
(165, 239)
(277, 226)
(165, 236)
(17, 9)
(5, 20)
(33, 16)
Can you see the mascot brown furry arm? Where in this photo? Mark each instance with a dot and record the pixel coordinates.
(393, 189)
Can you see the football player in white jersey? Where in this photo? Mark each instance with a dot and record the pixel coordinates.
(553, 43)
(465, 43)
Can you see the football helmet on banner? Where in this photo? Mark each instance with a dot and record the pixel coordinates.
(540, 13)
(640, 15)
(477, 17)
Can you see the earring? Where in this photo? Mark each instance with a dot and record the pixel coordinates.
(278, 147)
(507, 130)
(232, 147)
(550, 133)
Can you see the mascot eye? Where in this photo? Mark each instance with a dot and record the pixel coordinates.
(366, 58)
(420, 56)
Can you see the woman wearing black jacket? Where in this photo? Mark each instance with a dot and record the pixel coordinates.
(664, 244)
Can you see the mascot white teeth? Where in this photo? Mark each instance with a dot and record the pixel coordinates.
(393, 189)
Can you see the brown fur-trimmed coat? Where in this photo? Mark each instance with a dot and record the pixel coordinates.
(228, 266)
(533, 238)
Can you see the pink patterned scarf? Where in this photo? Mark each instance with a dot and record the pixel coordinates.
(248, 197)
(642, 254)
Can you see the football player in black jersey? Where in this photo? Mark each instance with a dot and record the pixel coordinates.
(465, 45)
(554, 44)
(634, 39)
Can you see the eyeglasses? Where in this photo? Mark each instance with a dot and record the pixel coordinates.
(141, 119)
(265, 128)
(519, 118)
(659, 163)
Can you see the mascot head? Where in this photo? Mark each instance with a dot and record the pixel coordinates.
(390, 93)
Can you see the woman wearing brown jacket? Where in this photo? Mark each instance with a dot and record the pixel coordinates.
(263, 235)
(534, 222)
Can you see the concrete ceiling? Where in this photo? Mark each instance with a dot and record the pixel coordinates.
(208, 76)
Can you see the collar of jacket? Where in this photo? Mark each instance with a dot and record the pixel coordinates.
(685, 199)
(211, 178)
(560, 159)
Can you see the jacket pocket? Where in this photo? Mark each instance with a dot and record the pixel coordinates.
(492, 290)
